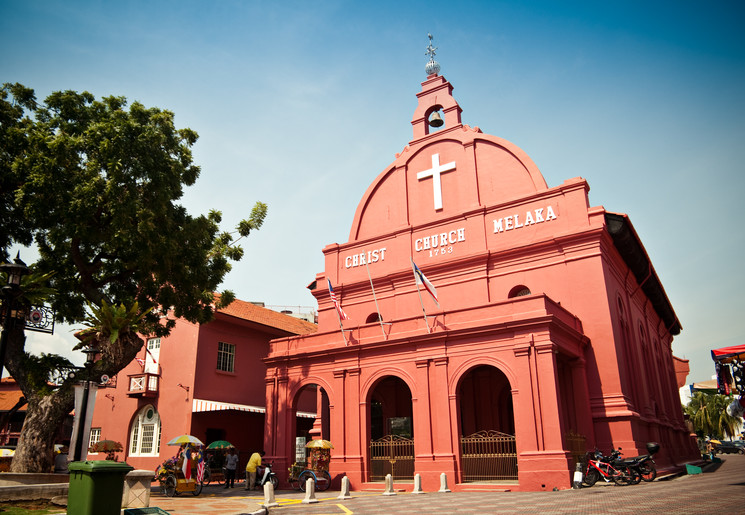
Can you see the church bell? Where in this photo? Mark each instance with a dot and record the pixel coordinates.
(436, 120)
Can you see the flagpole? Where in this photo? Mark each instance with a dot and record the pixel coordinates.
(337, 308)
(380, 318)
(421, 302)
(338, 317)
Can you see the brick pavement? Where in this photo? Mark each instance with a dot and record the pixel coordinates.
(720, 489)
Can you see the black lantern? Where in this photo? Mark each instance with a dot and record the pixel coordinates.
(11, 291)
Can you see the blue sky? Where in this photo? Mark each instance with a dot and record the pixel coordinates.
(302, 104)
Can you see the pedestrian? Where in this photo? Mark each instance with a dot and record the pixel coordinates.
(231, 463)
(253, 463)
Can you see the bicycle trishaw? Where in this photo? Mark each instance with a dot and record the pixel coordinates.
(170, 474)
(317, 467)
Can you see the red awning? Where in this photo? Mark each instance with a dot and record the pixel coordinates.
(727, 354)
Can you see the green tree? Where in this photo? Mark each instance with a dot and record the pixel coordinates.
(699, 410)
(96, 186)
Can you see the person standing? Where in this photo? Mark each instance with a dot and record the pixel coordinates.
(253, 463)
(231, 463)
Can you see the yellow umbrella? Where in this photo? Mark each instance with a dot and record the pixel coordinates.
(185, 439)
(715, 441)
(319, 444)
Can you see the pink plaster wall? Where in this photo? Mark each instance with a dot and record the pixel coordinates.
(188, 356)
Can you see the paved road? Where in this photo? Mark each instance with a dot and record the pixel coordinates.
(720, 489)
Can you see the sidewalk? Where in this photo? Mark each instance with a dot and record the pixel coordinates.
(720, 489)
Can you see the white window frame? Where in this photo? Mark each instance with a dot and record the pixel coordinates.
(152, 358)
(139, 425)
(226, 357)
(95, 437)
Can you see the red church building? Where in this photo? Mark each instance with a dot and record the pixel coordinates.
(550, 335)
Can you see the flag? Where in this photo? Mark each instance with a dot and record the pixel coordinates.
(140, 361)
(340, 312)
(200, 467)
(186, 468)
(422, 279)
(151, 355)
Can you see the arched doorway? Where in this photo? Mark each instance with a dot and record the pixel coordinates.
(312, 419)
(391, 430)
(487, 426)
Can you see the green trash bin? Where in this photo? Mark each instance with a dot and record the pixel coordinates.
(96, 487)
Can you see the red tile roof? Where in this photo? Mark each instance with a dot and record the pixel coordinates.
(10, 394)
(253, 313)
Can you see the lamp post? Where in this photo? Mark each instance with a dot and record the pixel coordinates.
(90, 355)
(11, 291)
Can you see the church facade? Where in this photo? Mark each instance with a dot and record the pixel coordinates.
(539, 328)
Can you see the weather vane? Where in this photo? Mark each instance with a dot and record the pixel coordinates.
(432, 67)
(430, 49)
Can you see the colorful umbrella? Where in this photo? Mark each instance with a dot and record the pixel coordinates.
(319, 444)
(185, 439)
(220, 444)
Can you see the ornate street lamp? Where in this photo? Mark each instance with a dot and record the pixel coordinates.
(11, 291)
(90, 357)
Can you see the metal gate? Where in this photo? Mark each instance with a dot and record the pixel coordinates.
(488, 456)
(392, 455)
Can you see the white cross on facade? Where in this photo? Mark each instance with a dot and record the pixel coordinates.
(435, 172)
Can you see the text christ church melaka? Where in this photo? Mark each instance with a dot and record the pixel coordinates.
(551, 333)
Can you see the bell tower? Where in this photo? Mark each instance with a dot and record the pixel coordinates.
(436, 96)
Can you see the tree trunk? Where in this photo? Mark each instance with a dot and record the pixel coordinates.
(35, 449)
(46, 413)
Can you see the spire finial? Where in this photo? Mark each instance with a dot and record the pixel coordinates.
(432, 67)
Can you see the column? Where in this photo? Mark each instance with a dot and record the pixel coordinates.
(542, 462)
(583, 413)
(355, 420)
(548, 395)
(423, 436)
(284, 426)
(270, 416)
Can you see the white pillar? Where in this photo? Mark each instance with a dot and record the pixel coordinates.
(417, 484)
(389, 485)
(344, 494)
(310, 492)
(444, 483)
(269, 500)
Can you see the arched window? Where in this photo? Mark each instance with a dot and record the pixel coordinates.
(144, 438)
(372, 317)
(518, 291)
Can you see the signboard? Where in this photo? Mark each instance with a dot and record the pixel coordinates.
(300, 449)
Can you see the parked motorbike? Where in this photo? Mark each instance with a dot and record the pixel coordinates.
(609, 468)
(643, 464)
(267, 477)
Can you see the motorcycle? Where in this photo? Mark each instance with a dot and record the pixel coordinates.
(608, 468)
(643, 464)
(267, 477)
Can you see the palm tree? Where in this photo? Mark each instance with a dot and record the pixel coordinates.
(699, 411)
(727, 425)
(709, 416)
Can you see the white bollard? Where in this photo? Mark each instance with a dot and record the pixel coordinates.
(269, 500)
(417, 484)
(389, 485)
(344, 494)
(577, 482)
(310, 492)
(444, 483)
